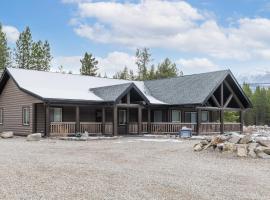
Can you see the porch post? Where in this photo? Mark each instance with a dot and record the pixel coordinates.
(47, 120)
(77, 129)
(149, 120)
(199, 117)
(221, 121)
(139, 120)
(127, 127)
(103, 120)
(115, 120)
(241, 116)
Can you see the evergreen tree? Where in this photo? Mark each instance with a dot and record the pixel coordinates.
(143, 59)
(4, 50)
(89, 65)
(166, 69)
(47, 57)
(152, 73)
(23, 49)
(249, 114)
(131, 75)
(36, 56)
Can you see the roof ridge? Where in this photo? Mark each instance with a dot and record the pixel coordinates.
(111, 85)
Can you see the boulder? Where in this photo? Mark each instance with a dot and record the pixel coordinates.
(242, 150)
(220, 147)
(248, 129)
(230, 147)
(260, 151)
(263, 143)
(267, 151)
(8, 134)
(251, 149)
(198, 147)
(34, 137)
(204, 142)
(246, 139)
(218, 139)
(234, 139)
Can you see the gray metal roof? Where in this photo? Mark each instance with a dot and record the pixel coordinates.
(189, 89)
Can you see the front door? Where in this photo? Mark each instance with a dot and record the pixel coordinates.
(122, 121)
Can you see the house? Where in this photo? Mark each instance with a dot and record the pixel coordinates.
(59, 104)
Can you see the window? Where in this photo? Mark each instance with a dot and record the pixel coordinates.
(26, 116)
(122, 117)
(205, 116)
(56, 114)
(176, 116)
(191, 117)
(1, 115)
(157, 116)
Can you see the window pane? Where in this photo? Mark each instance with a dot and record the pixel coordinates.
(122, 117)
(193, 117)
(1, 116)
(205, 116)
(56, 115)
(176, 116)
(157, 116)
(26, 116)
(187, 117)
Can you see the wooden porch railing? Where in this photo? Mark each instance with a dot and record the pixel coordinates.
(144, 127)
(209, 128)
(170, 127)
(133, 127)
(91, 127)
(236, 127)
(108, 128)
(62, 128)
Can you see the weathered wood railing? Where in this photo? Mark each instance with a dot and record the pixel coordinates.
(236, 127)
(170, 127)
(144, 127)
(209, 128)
(133, 127)
(62, 128)
(91, 127)
(108, 128)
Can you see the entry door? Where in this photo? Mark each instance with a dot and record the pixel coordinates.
(122, 121)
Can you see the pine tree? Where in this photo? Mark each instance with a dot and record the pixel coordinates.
(143, 59)
(131, 75)
(4, 50)
(37, 56)
(249, 114)
(47, 57)
(23, 49)
(166, 69)
(152, 73)
(89, 65)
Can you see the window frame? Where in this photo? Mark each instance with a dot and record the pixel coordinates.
(124, 117)
(179, 115)
(53, 114)
(191, 112)
(24, 121)
(155, 116)
(205, 111)
(1, 115)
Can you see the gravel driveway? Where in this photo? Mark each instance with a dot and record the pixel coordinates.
(126, 168)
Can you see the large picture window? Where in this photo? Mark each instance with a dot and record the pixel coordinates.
(1, 115)
(26, 116)
(157, 116)
(56, 114)
(176, 115)
(190, 117)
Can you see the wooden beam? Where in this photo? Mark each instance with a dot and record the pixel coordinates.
(221, 121)
(128, 97)
(215, 100)
(103, 120)
(115, 127)
(234, 95)
(241, 116)
(221, 95)
(139, 120)
(149, 120)
(47, 120)
(199, 117)
(216, 108)
(228, 101)
(123, 105)
(77, 127)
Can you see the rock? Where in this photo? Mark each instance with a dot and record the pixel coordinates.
(198, 147)
(242, 150)
(251, 149)
(246, 139)
(220, 147)
(267, 151)
(218, 139)
(34, 137)
(234, 139)
(8, 134)
(260, 151)
(228, 146)
(204, 142)
(263, 143)
(248, 129)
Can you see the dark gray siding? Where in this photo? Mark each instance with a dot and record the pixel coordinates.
(40, 118)
(12, 100)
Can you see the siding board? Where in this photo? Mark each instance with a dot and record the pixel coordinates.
(12, 100)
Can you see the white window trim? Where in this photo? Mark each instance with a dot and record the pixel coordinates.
(1, 116)
(26, 109)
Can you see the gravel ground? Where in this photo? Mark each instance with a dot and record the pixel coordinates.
(126, 168)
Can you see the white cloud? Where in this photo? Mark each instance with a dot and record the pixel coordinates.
(172, 25)
(196, 65)
(112, 63)
(11, 32)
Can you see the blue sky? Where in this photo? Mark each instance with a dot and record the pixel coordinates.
(199, 36)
